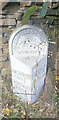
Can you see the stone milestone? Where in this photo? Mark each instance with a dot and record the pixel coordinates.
(28, 54)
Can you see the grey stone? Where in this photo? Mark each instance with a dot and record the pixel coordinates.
(50, 81)
(7, 22)
(2, 16)
(25, 3)
(3, 4)
(15, 15)
(49, 86)
(57, 62)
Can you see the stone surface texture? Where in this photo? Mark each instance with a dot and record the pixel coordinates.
(4, 4)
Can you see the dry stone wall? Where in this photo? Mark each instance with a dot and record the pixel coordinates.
(9, 20)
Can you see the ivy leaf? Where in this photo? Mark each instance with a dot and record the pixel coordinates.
(43, 12)
(44, 9)
(45, 5)
(29, 12)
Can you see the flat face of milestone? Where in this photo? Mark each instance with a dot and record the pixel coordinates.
(28, 47)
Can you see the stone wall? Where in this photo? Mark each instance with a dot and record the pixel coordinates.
(9, 21)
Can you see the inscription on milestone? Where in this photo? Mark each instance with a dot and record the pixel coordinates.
(27, 46)
(29, 62)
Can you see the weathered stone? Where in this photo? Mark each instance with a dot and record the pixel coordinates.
(6, 64)
(5, 46)
(5, 71)
(2, 16)
(4, 4)
(38, 20)
(4, 77)
(51, 79)
(10, 27)
(0, 6)
(0, 42)
(4, 40)
(7, 22)
(0, 58)
(25, 3)
(4, 33)
(18, 22)
(0, 64)
(5, 51)
(3, 58)
(15, 15)
(49, 86)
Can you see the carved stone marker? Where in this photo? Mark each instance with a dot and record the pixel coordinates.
(28, 54)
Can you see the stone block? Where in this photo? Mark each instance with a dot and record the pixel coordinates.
(4, 58)
(4, 4)
(25, 3)
(16, 15)
(1, 58)
(4, 40)
(6, 64)
(5, 71)
(5, 46)
(5, 50)
(7, 22)
(49, 86)
(2, 16)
